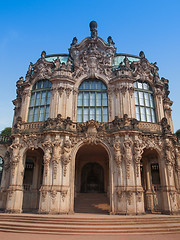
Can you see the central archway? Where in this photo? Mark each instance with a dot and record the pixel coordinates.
(92, 179)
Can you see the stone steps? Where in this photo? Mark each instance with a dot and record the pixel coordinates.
(92, 224)
(96, 203)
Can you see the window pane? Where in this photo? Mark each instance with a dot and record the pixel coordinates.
(139, 85)
(143, 116)
(47, 113)
(145, 86)
(98, 99)
(138, 114)
(86, 114)
(92, 84)
(148, 113)
(86, 99)
(86, 85)
(141, 98)
(41, 114)
(40, 99)
(92, 113)
(93, 95)
(30, 114)
(43, 98)
(37, 99)
(80, 98)
(98, 114)
(103, 86)
(104, 100)
(79, 115)
(48, 97)
(32, 99)
(92, 99)
(146, 99)
(98, 85)
(35, 117)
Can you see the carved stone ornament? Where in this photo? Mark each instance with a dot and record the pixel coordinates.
(127, 155)
(145, 70)
(169, 157)
(139, 196)
(63, 193)
(15, 158)
(138, 150)
(117, 153)
(66, 157)
(47, 144)
(129, 196)
(42, 69)
(53, 195)
(31, 141)
(93, 55)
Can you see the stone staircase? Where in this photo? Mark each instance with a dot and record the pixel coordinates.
(96, 203)
(89, 224)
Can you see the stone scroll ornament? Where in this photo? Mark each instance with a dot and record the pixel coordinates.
(117, 153)
(66, 158)
(128, 155)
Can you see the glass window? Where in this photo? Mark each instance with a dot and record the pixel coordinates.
(92, 101)
(144, 102)
(40, 101)
(1, 168)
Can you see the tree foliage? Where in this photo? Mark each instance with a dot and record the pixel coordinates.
(6, 132)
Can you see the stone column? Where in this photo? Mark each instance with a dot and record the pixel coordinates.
(169, 167)
(149, 193)
(15, 190)
(130, 180)
(44, 204)
(138, 150)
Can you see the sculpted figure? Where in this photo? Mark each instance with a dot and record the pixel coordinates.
(117, 152)
(66, 158)
(58, 63)
(137, 155)
(127, 155)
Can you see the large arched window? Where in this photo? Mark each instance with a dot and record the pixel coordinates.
(144, 102)
(92, 101)
(40, 101)
(1, 168)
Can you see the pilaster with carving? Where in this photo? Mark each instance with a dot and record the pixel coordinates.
(66, 157)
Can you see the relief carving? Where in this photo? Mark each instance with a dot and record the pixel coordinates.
(117, 153)
(66, 157)
(138, 150)
(127, 155)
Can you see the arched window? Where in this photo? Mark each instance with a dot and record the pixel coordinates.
(1, 168)
(144, 102)
(40, 101)
(92, 101)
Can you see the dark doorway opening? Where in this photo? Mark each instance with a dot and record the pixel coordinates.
(92, 178)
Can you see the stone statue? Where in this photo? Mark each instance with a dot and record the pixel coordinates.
(74, 41)
(93, 28)
(110, 41)
(117, 152)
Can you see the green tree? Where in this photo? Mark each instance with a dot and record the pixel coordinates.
(178, 134)
(6, 132)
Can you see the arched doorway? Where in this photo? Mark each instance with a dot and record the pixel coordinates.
(33, 175)
(92, 179)
(151, 181)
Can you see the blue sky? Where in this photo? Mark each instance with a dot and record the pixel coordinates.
(28, 27)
